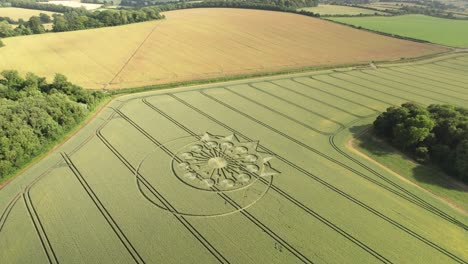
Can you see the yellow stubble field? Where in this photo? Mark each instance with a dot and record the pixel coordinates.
(198, 44)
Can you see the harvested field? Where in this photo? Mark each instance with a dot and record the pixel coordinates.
(17, 13)
(74, 4)
(251, 171)
(200, 44)
(340, 10)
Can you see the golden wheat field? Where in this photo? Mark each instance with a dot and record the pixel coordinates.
(199, 44)
(17, 13)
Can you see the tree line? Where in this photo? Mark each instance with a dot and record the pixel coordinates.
(33, 26)
(78, 19)
(35, 113)
(437, 134)
(71, 19)
(276, 5)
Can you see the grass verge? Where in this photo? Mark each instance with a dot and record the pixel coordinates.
(47, 149)
(426, 176)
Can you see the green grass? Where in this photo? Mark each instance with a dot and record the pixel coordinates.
(340, 10)
(429, 177)
(95, 208)
(442, 31)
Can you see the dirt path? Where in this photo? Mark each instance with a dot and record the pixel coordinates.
(350, 146)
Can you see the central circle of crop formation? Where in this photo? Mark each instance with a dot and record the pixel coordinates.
(218, 163)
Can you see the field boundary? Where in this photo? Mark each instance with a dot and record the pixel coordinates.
(353, 148)
(275, 188)
(279, 73)
(60, 142)
(352, 199)
(102, 209)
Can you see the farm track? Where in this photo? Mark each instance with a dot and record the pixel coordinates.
(6, 212)
(448, 67)
(388, 184)
(379, 91)
(343, 98)
(439, 67)
(102, 209)
(299, 106)
(226, 198)
(213, 251)
(351, 90)
(286, 116)
(412, 198)
(38, 226)
(311, 98)
(443, 76)
(420, 79)
(368, 208)
(21, 194)
(406, 84)
(274, 187)
(131, 57)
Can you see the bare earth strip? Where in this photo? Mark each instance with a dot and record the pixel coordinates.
(200, 44)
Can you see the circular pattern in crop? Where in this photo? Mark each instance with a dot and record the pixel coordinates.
(219, 163)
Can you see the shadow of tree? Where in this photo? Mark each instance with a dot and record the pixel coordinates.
(380, 150)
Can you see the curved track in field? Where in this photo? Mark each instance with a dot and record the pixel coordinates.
(274, 187)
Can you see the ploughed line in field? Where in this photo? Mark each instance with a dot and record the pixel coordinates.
(131, 56)
(332, 94)
(449, 67)
(225, 197)
(425, 76)
(356, 201)
(298, 105)
(420, 201)
(454, 65)
(277, 189)
(286, 116)
(461, 61)
(405, 99)
(441, 72)
(7, 211)
(46, 245)
(140, 178)
(458, 63)
(308, 97)
(391, 84)
(438, 74)
(45, 242)
(326, 184)
(426, 205)
(352, 91)
(102, 209)
(432, 88)
(437, 67)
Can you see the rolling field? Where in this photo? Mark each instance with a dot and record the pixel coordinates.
(17, 13)
(72, 3)
(339, 10)
(443, 31)
(197, 44)
(251, 171)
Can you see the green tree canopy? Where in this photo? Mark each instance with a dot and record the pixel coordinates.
(438, 133)
(33, 113)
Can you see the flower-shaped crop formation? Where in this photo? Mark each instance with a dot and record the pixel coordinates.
(218, 163)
